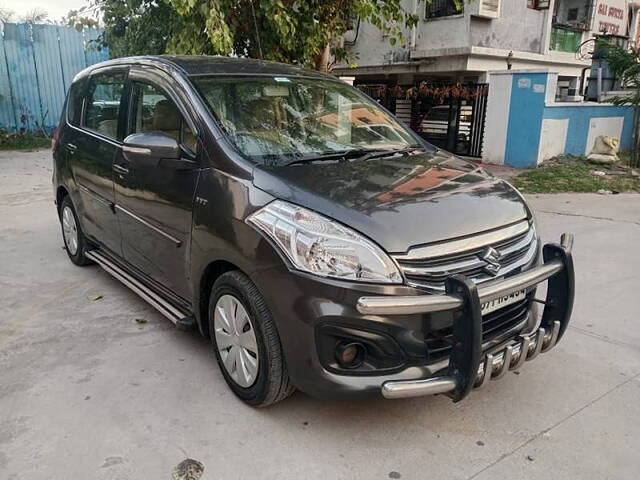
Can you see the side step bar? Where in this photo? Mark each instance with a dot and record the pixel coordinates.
(178, 317)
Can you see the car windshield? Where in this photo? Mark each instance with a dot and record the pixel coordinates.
(277, 120)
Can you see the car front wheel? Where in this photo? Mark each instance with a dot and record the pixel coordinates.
(246, 342)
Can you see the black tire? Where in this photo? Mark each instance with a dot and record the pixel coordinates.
(272, 382)
(78, 257)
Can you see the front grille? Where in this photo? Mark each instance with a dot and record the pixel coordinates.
(494, 325)
(427, 267)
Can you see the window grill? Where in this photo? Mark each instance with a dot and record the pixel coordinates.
(443, 8)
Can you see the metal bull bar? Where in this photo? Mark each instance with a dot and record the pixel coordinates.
(468, 366)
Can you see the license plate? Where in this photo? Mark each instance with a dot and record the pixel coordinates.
(498, 303)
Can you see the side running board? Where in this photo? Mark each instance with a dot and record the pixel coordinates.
(178, 317)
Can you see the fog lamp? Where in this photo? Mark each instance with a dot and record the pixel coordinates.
(350, 355)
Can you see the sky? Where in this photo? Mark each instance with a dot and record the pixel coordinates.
(56, 8)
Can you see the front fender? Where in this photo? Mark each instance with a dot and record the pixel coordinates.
(220, 234)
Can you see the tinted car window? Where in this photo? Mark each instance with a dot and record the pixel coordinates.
(74, 102)
(154, 111)
(102, 105)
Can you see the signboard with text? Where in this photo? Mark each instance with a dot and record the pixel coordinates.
(611, 17)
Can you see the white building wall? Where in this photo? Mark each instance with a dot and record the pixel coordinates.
(609, 126)
(553, 138)
(464, 43)
(517, 28)
(372, 48)
(497, 118)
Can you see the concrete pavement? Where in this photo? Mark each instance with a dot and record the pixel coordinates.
(87, 390)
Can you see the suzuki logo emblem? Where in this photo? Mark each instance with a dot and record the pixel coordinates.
(492, 257)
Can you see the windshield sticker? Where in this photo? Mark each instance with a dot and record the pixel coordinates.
(282, 79)
(276, 91)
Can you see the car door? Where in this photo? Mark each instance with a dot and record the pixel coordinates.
(154, 199)
(91, 150)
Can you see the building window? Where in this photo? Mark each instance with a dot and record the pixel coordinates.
(572, 14)
(443, 8)
(538, 4)
(564, 39)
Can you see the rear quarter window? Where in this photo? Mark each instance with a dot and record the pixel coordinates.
(74, 102)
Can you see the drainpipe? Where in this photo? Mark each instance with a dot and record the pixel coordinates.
(546, 31)
(415, 27)
(583, 78)
(599, 84)
(635, 6)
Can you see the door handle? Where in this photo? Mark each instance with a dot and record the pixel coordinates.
(120, 169)
(71, 148)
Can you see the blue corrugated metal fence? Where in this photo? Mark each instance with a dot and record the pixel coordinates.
(37, 65)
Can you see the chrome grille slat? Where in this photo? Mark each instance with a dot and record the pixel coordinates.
(437, 270)
(454, 247)
(517, 249)
(494, 326)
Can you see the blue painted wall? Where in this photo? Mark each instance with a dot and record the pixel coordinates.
(527, 108)
(579, 118)
(525, 119)
(37, 65)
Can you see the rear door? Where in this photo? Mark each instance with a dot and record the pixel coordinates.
(91, 151)
(154, 200)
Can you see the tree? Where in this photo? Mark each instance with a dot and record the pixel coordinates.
(37, 15)
(131, 27)
(290, 31)
(6, 15)
(303, 32)
(626, 63)
(79, 19)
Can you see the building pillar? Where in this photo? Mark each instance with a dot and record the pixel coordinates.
(515, 109)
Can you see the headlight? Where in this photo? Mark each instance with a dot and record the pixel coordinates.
(317, 245)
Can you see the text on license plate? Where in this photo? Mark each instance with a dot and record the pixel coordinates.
(494, 305)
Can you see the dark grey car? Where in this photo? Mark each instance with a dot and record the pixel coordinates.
(318, 242)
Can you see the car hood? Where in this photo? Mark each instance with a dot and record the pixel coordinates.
(399, 201)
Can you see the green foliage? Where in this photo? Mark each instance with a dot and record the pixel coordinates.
(16, 141)
(626, 64)
(79, 20)
(304, 32)
(131, 27)
(573, 174)
(280, 30)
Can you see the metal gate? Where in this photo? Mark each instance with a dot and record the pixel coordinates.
(450, 116)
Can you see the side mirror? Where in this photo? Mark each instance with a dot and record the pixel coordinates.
(151, 147)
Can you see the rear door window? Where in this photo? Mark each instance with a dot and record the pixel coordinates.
(102, 103)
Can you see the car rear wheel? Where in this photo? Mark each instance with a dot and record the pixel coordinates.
(74, 241)
(246, 342)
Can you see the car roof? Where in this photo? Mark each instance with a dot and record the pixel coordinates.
(194, 65)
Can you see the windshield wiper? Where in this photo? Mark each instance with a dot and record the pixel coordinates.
(360, 154)
(329, 156)
(387, 153)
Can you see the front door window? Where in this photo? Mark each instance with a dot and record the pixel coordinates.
(154, 111)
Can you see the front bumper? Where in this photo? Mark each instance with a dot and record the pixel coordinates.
(469, 367)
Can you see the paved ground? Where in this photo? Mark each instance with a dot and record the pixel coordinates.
(87, 392)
